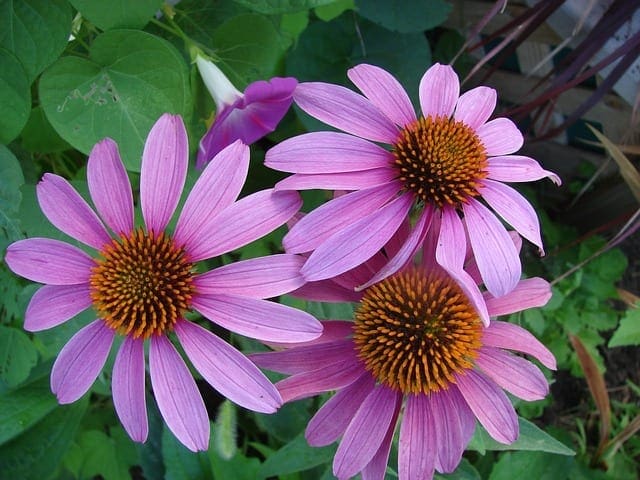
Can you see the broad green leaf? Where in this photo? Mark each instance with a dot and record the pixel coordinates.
(287, 422)
(464, 471)
(331, 311)
(36, 31)
(17, 356)
(97, 453)
(538, 465)
(130, 79)
(15, 96)
(117, 13)
(150, 452)
(628, 333)
(296, 456)
(11, 286)
(238, 468)
(271, 7)
(225, 430)
(180, 462)
(334, 9)
(409, 16)
(11, 179)
(39, 136)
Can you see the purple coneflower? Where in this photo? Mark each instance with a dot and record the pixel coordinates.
(247, 116)
(142, 282)
(442, 163)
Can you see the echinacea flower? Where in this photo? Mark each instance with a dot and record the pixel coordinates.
(445, 163)
(143, 281)
(247, 116)
(417, 343)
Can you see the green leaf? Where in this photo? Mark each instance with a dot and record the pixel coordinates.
(287, 422)
(531, 438)
(118, 13)
(11, 179)
(335, 9)
(238, 468)
(271, 7)
(180, 462)
(538, 465)
(17, 356)
(331, 311)
(36, 31)
(225, 430)
(130, 79)
(39, 136)
(464, 471)
(628, 333)
(409, 16)
(296, 456)
(15, 96)
(103, 455)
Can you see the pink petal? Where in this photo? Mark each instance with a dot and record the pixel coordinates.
(177, 395)
(454, 424)
(493, 249)
(476, 106)
(376, 469)
(500, 136)
(216, 189)
(80, 361)
(338, 181)
(516, 375)
(316, 227)
(327, 152)
(517, 168)
(418, 442)
(529, 293)
(331, 330)
(50, 261)
(490, 406)
(248, 219)
(345, 110)
(472, 267)
(52, 305)
(514, 209)
(67, 211)
(163, 172)
(259, 319)
(326, 291)
(358, 242)
(109, 186)
(384, 91)
(439, 91)
(512, 337)
(128, 389)
(227, 370)
(365, 433)
(333, 418)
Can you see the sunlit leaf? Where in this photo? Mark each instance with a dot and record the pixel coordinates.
(628, 332)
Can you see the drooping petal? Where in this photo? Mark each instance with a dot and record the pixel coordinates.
(45, 260)
(365, 433)
(52, 305)
(331, 330)
(500, 136)
(217, 187)
(529, 293)
(259, 319)
(326, 291)
(451, 419)
(177, 395)
(358, 242)
(439, 90)
(164, 169)
(517, 168)
(80, 361)
(128, 389)
(349, 181)
(418, 443)
(384, 91)
(490, 405)
(512, 337)
(471, 266)
(227, 370)
(109, 186)
(516, 375)
(494, 251)
(376, 469)
(345, 110)
(476, 106)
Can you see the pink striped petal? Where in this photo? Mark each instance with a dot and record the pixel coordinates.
(358, 242)
(327, 152)
(418, 442)
(338, 181)
(49, 261)
(376, 469)
(333, 418)
(128, 389)
(259, 319)
(80, 361)
(262, 277)
(365, 433)
(475, 106)
(500, 136)
(494, 251)
(326, 291)
(109, 186)
(472, 267)
(490, 405)
(316, 227)
(164, 170)
(529, 293)
(514, 209)
(516, 375)
(512, 337)
(217, 187)
(439, 91)
(454, 424)
(248, 219)
(227, 370)
(517, 168)
(177, 395)
(52, 305)
(331, 330)
(345, 110)
(384, 91)
(69, 213)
